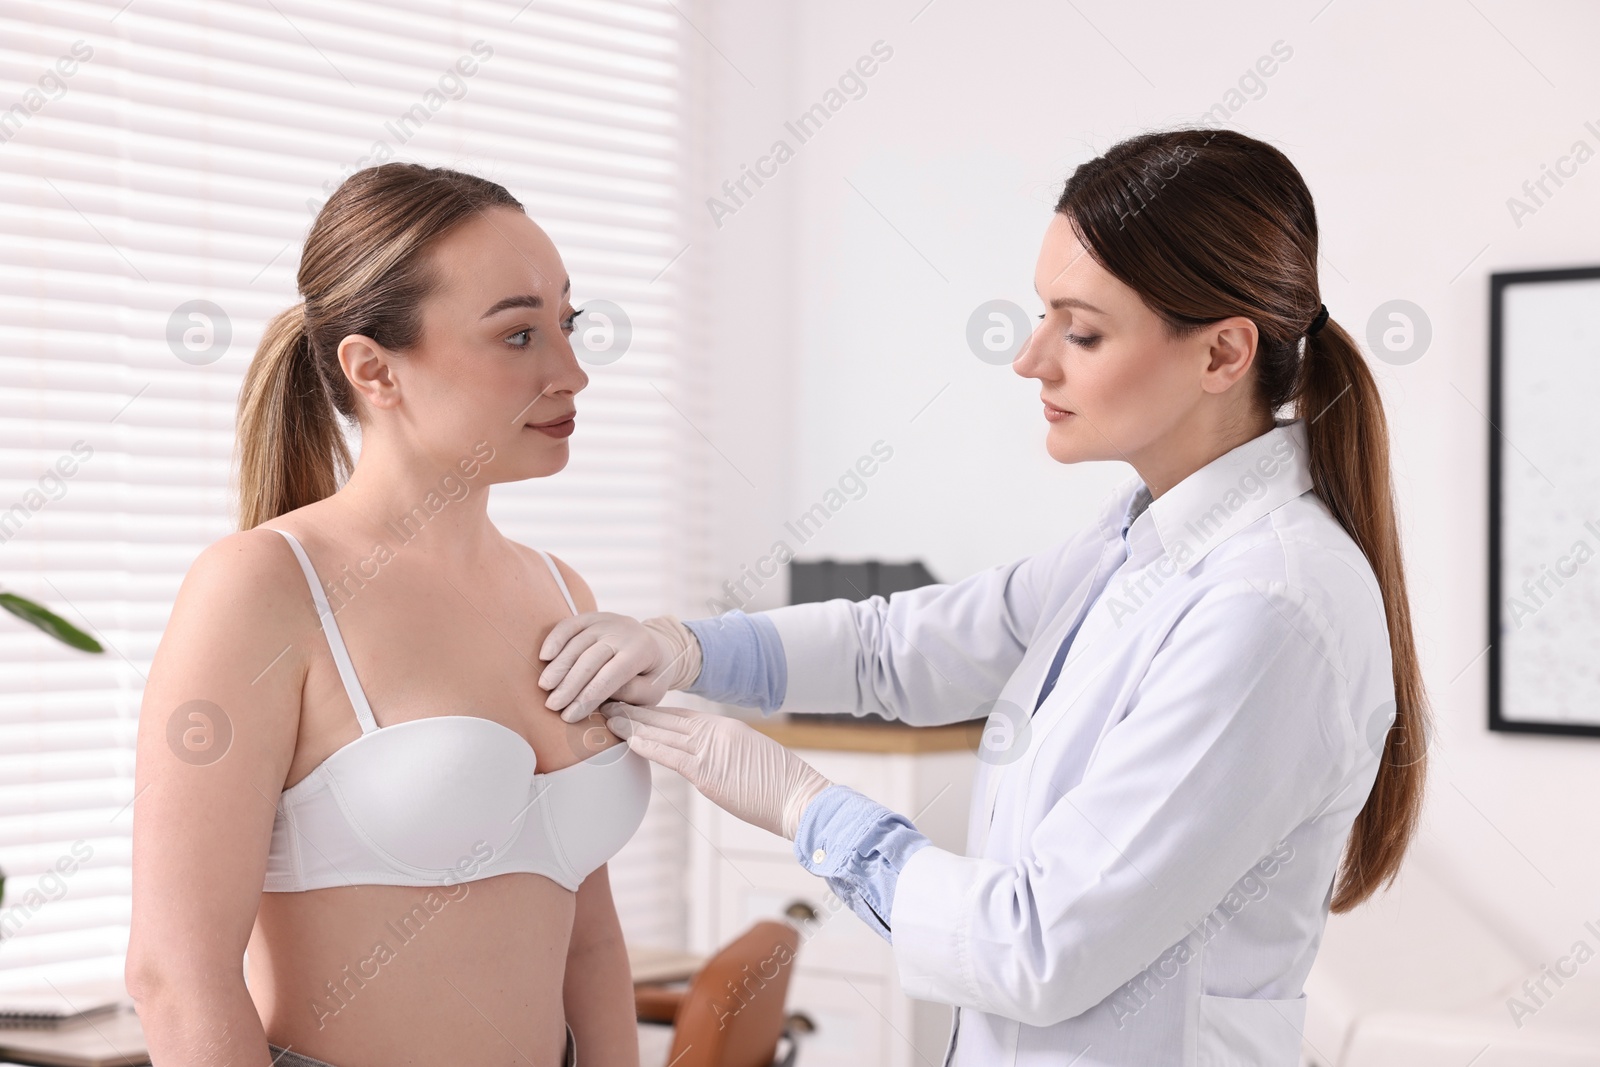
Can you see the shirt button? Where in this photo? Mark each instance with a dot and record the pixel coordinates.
(818, 856)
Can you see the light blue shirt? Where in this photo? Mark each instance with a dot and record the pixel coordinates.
(862, 844)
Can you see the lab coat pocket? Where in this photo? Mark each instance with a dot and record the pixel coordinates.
(1249, 1031)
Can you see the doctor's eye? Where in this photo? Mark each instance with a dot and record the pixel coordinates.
(514, 343)
(1084, 342)
(569, 323)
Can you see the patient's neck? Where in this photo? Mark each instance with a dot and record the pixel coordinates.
(424, 501)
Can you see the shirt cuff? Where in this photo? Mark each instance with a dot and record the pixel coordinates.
(741, 661)
(859, 846)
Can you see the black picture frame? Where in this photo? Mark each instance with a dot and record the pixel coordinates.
(1499, 283)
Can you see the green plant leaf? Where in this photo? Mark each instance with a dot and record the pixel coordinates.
(49, 622)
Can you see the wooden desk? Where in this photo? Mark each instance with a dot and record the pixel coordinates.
(656, 966)
(870, 735)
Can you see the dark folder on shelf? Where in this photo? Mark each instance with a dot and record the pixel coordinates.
(827, 579)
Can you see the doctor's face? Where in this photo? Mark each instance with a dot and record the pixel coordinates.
(1113, 382)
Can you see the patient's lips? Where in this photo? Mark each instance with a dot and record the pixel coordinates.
(1053, 413)
(558, 427)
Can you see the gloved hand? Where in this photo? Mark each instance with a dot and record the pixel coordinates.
(739, 769)
(601, 654)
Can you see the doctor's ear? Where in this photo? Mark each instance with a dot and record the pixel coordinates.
(1230, 353)
(371, 370)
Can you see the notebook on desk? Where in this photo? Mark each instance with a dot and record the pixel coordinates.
(60, 1005)
(104, 1039)
(81, 1024)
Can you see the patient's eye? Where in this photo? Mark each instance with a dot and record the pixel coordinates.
(515, 343)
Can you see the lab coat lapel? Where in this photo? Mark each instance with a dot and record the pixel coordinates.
(1179, 516)
(1023, 691)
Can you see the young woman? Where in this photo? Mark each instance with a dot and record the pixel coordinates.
(344, 765)
(1207, 718)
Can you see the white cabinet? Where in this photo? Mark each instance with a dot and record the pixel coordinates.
(844, 979)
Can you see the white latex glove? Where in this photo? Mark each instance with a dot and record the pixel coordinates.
(741, 770)
(601, 654)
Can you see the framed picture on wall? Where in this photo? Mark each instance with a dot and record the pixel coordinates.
(1544, 501)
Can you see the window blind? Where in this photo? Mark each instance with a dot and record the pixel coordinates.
(160, 165)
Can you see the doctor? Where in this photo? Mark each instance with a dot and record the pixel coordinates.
(1205, 715)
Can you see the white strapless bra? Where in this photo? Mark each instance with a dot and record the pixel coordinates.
(446, 799)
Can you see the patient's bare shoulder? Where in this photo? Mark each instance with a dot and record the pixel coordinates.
(582, 595)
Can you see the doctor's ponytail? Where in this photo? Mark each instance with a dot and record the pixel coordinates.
(1207, 224)
(1348, 439)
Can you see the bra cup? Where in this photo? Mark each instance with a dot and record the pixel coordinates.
(601, 802)
(446, 798)
(434, 794)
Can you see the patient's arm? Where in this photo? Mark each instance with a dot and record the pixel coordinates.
(598, 992)
(217, 733)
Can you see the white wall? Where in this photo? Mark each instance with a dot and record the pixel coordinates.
(832, 325)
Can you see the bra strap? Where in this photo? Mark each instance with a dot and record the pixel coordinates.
(562, 582)
(330, 630)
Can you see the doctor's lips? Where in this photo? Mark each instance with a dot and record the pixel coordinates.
(1053, 413)
(558, 427)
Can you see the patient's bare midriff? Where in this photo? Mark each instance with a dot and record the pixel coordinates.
(371, 974)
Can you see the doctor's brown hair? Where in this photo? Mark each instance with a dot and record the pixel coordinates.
(1206, 224)
(365, 270)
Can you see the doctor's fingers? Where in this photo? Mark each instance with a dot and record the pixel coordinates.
(618, 677)
(584, 656)
(565, 653)
(681, 750)
(658, 746)
(644, 690)
(596, 676)
(563, 631)
(679, 722)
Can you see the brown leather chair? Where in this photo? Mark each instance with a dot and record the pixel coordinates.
(731, 1015)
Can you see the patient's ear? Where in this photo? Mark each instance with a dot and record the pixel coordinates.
(370, 369)
(1230, 352)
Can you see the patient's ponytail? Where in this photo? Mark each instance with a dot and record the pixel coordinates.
(292, 450)
(1207, 224)
(364, 271)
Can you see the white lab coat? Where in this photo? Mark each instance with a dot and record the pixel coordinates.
(1150, 856)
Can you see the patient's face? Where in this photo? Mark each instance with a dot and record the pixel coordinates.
(484, 375)
(1104, 356)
